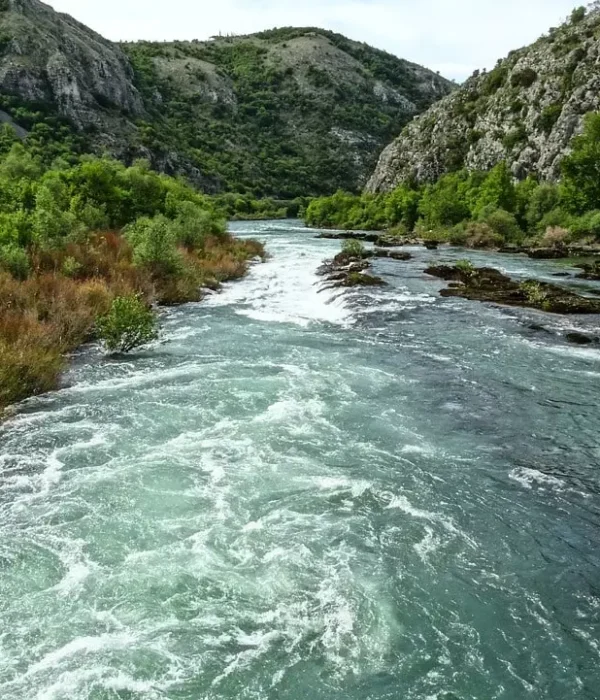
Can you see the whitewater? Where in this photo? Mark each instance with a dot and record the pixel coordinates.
(306, 494)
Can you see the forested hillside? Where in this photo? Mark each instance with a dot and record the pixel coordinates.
(284, 113)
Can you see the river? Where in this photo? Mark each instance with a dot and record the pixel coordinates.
(300, 495)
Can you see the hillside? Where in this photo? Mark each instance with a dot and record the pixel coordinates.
(286, 112)
(525, 111)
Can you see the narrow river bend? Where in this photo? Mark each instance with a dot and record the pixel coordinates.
(303, 496)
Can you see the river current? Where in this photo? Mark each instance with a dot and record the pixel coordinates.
(300, 495)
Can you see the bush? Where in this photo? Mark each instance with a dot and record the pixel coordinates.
(353, 248)
(555, 237)
(71, 267)
(480, 235)
(16, 261)
(524, 78)
(586, 225)
(458, 235)
(154, 245)
(556, 217)
(27, 368)
(502, 223)
(549, 116)
(465, 266)
(128, 325)
(543, 200)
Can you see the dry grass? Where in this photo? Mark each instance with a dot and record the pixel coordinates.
(53, 312)
(554, 237)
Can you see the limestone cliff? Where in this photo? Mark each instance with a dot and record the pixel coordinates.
(526, 111)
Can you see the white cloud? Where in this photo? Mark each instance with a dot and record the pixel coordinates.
(452, 36)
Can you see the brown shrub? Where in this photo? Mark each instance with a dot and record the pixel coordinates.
(480, 235)
(555, 237)
(27, 367)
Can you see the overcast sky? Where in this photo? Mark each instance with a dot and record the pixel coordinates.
(452, 36)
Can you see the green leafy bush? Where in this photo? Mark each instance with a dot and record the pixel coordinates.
(465, 266)
(549, 116)
(524, 78)
(128, 325)
(15, 260)
(154, 245)
(353, 248)
(502, 223)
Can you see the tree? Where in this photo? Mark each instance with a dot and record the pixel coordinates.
(128, 325)
(154, 245)
(444, 204)
(497, 190)
(580, 187)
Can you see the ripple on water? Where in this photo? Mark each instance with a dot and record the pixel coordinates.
(298, 495)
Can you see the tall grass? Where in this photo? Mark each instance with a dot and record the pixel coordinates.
(55, 309)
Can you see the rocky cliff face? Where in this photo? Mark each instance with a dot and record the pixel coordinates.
(525, 111)
(285, 112)
(50, 58)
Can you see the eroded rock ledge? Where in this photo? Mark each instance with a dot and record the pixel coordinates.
(488, 284)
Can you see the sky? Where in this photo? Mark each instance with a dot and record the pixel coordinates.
(453, 37)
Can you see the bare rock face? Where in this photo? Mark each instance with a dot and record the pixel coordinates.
(219, 112)
(525, 111)
(49, 57)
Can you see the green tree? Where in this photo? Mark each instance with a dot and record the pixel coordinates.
(445, 204)
(129, 324)
(497, 190)
(580, 187)
(154, 245)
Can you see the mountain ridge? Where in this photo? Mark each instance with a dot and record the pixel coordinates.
(525, 111)
(285, 112)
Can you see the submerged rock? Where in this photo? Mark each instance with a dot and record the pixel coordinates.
(392, 254)
(488, 284)
(578, 338)
(591, 271)
(431, 245)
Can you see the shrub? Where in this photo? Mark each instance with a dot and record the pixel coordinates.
(556, 217)
(16, 261)
(543, 200)
(458, 235)
(586, 225)
(578, 15)
(353, 248)
(71, 267)
(548, 117)
(154, 245)
(524, 78)
(514, 138)
(27, 368)
(128, 325)
(502, 223)
(555, 237)
(465, 266)
(480, 235)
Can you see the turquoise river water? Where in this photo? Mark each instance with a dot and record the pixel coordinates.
(302, 495)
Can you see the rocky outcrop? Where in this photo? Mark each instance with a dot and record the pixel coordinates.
(286, 113)
(50, 58)
(526, 111)
(488, 284)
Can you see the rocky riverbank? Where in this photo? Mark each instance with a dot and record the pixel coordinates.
(488, 284)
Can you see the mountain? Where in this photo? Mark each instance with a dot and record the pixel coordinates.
(285, 112)
(525, 111)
